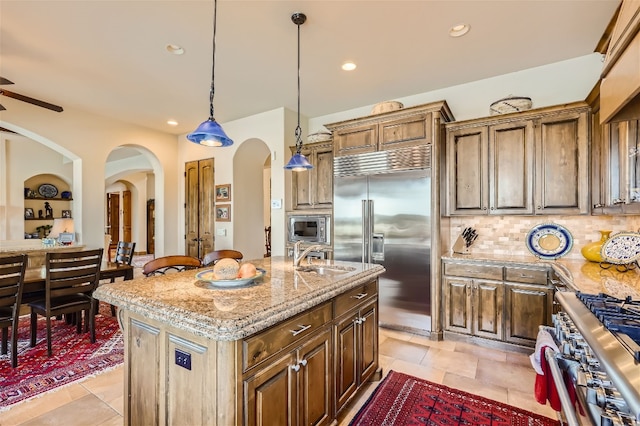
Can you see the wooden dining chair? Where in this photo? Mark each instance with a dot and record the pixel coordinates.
(71, 278)
(12, 270)
(168, 264)
(213, 256)
(123, 256)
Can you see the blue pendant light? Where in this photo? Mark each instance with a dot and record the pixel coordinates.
(298, 162)
(210, 133)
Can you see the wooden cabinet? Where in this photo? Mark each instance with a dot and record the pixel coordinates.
(528, 303)
(356, 349)
(391, 130)
(526, 163)
(500, 302)
(473, 304)
(295, 388)
(313, 189)
(615, 180)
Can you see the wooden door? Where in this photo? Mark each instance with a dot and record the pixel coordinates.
(315, 380)
(457, 304)
(324, 178)
(527, 307)
(405, 132)
(356, 140)
(126, 216)
(368, 341)
(345, 359)
(113, 216)
(199, 207)
(151, 226)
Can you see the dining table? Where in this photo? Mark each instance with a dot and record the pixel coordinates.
(35, 278)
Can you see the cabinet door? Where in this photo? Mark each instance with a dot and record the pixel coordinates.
(527, 307)
(468, 183)
(562, 172)
(270, 394)
(323, 179)
(356, 140)
(315, 380)
(488, 306)
(511, 151)
(410, 131)
(345, 359)
(457, 304)
(368, 340)
(302, 184)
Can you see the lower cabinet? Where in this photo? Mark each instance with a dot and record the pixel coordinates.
(295, 388)
(356, 351)
(301, 371)
(496, 301)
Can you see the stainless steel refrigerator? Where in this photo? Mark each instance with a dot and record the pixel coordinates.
(384, 216)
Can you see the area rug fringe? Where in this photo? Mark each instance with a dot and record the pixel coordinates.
(401, 399)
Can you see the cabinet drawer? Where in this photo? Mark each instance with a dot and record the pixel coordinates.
(526, 275)
(355, 296)
(261, 346)
(488, 272)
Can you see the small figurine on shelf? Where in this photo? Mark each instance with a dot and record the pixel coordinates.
(48, 210)
(40, 214)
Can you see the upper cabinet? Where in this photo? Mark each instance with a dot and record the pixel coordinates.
(535, 162)
(313, 189)
(615, 166)
(390, 130)
(620, 87)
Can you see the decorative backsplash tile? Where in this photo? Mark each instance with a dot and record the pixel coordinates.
(506, 235)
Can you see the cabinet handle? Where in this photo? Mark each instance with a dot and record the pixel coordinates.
(484, 208)
(539, 208)
(357, 321)
(525, 276)
(300, 330)
(362, 319)
(360, 296)
(598, 206)
(295, 367)
(617, 201)
(303, 362)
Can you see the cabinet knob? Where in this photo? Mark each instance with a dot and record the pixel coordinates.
(295, 367)
(303, 362)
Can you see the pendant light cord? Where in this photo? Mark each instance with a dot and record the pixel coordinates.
(298, 129)
(213, 62)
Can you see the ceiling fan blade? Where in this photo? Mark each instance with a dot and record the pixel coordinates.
(5, 81)
(2, 108)
(33, 101)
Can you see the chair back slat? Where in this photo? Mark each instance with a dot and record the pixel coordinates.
(72, 272)
(12, 270)
(124, 252)
(173, 263)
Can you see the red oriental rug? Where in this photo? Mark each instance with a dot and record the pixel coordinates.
(74, 357)
(405, 400)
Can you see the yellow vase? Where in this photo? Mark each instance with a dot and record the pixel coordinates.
(591, 251)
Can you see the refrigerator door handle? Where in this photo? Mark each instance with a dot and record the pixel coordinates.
(370, 250)
(365, 232)
(377, 247)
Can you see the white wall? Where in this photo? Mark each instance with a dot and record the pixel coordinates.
(87, 140)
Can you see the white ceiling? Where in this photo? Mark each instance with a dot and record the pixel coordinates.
(108, 57)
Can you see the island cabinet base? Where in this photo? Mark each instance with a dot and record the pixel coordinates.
(302, 370)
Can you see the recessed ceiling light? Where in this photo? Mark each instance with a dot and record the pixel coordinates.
(174, 49)
(348, 66)
(172, 122)
(459, 30)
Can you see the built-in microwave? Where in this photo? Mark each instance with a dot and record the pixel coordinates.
(309, 228)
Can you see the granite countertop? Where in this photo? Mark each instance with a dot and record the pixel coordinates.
(182, 301)
(580, 275)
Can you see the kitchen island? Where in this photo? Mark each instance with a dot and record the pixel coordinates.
(294, 347)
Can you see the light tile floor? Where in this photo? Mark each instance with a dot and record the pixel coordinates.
(502, 376)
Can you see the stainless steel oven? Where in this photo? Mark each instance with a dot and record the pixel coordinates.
(314, 229)
(598, 342)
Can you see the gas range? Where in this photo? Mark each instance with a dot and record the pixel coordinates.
(599, 341)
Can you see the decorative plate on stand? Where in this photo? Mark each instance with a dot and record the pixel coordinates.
(549, 241)
(622, 248)
(47, 190)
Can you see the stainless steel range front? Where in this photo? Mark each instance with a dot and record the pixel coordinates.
(598, 337)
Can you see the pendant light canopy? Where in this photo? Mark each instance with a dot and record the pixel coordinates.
(210, 133)
(298, 162)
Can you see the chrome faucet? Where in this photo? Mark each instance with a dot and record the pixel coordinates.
(297, 256)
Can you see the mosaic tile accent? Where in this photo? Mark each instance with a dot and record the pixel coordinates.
(505, 235)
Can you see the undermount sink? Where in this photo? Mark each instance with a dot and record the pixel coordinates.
(326, 269)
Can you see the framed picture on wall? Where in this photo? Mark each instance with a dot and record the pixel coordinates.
(223, 192)
(28, 213)
(223, 213)
(66, 213)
